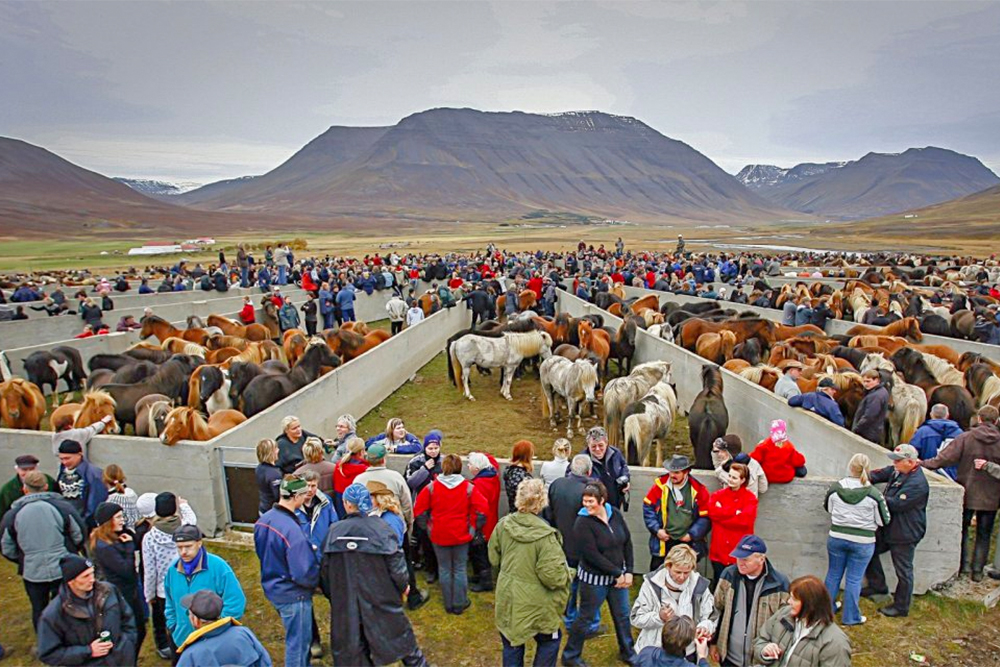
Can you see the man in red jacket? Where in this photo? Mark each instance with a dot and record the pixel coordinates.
(486, 480)
(675, 511)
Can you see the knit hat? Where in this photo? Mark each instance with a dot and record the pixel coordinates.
(70, 447)
(73, 566)
(434, 435)
(145, 505)
(357, 494)
(166, 504)
(106, 512)
(779, 432)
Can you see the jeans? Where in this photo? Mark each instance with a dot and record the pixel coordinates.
(546, 652)
(482, 571)
(39, 594)
(328, 319)
(902, 562)
(282, 275)
(244, 276)
(395, 327)
(984, 530)
(591, 599)
(850, 558)
(297, 619)
(347, 314)
(452, 575)
(572, 612)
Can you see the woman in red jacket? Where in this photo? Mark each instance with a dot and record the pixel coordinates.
(455, 511)
(732, 511)
(778, 457)
(485, 477)
(352, 464)
(247, 315)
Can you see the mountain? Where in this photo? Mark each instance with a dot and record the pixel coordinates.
(767, 176)
(461, 163)
(162, 190)
(879, 183)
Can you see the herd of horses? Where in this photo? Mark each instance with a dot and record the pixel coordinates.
(192, 384)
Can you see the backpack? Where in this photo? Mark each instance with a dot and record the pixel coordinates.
(424, 520)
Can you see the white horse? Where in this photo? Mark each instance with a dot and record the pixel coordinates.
(573, 380)
(860, 303)
(663, 331)
(650, 419)
(506, 353)
(909, 402)
(622, 392)
(5, 373)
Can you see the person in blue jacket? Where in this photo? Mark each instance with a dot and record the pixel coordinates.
(289, 570)
(934, 434)
(325, 298)
(821, 401)
(345, 299)
(366, 283)
(144, 287)
(80, 483)
(217, 639)
(195, 570)
(264, 280)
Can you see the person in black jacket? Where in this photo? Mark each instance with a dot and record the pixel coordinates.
(604, 550)
(906, 493)
(869, 419)
(268, 475)
(479, 302)
(88, 623)
(309, 312)
(290, 442)
(112, 550)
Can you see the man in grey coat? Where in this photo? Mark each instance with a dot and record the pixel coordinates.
(787, 385)
(39, 529)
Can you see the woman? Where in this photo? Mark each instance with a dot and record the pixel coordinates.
(112, 549)
(313, 452)
(385, 505)
(352, 464)
(268, 475)
(673, 590)
(347, 427)
(290, 443)
(856, 510)
(90, 313)
(395, 439)
(519, 469)
(533, 584)
(309, 312)
(803, 634)
(732, 511)
(453, 511)
(556, 468)
(778, 457)
(247, 314)
(483, 469)
(728, 450)
(121, 495)
(604, 548)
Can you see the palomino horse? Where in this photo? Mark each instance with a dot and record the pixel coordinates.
(708, 417)
(909, 402)
(22, 404)
(984, 384)
(765, 376)
(506, 353)
(350, 345)
(623, 392)
(96, 406)
(187, 424)
(176, 345)
(573, 380)
(251, 332)
(650, 420)
(153, 325)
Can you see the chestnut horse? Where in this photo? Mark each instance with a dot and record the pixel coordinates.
(251, 332)
(294, 344)
(595, 341)
(650, 301)
(890, 343)
(153, 325)
(187, 424)
(745, 328)
(526, 300)
(716, 347)
(22, 404)
(430, 303)
(349, 345)
(96, 405)
(908, 327)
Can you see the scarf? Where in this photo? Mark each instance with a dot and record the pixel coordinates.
(167, 524)
(677, 491)
(197, 563)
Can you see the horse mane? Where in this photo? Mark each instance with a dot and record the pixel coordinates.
(528, 344)
(711, 379)
(98, 397)
(879, 362)
(156, 319)
(753, 374)
(23, 387)
(942, 371)
(904, 327)
(587, 371)
(844, 380)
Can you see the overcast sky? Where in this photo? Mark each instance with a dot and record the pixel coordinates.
(202, 91)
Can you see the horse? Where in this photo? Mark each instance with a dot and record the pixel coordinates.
(269, 313)
(257, 353)
(242, 372)
(111, 362)
(267, 389)
(294, 344)
(526, 300)
(350, 345)
(784, 332)
(908, 327)
(226, 340)
(648, 302)
(177, 345)
(59, 363)
(22, 404)
(250, 332)
(222, 355)
(623, 346)
(983, 384)
(186, 423)
(575, 381)
(619, 393)
(506, 353)
(963, 324)
(942, 371)
(597, 342)
(850, 391)
(736, 365)
(650, 419)
(171, 380)
(908, 404)
(662, 331)
(889, 343)
(743, 329)
(357, 327)
(716, 347)
(708, 417)
(140, 352)
(765, 376)
(151, 414)
(911, 364)
(750, 351)
(154, 325)
(943, 351)
(969, 358)
(430, 303)
(96, 405)
(208, 389)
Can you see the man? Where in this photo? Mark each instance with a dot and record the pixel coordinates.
(218, 639)
(906, 493)
(14, 488)
(869, 419)
(79, 482)
(788, 311)
(365, 577)
(39, 529)
(65, 431)
(243, 262)
(345, 301)
(609, 467)
(88, 623)
(822, 401)
(934, 434)
(480, 304)
(289, 570)
(281, 261)
(982, 491)
(746, 596)
(787, 385)
(396, 308)
(675, 511)
(197, 570)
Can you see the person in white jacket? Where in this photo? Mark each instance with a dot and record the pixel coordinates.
(728, 450)
(673, 589)
(396, 308)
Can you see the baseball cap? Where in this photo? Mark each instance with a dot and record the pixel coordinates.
(205, 604)
(26, 461)
(187, 534)
(827, 382)
(749, 545)
(375, 452)
(904, 452)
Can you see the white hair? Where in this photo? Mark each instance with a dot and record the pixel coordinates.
(479, 461)
(581, 464)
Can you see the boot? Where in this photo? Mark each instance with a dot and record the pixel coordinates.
(979, 557)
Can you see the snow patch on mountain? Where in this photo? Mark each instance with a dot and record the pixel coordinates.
(154, 188)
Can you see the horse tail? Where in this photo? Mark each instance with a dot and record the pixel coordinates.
(546, 392)
(612, 419)
(633, 436)
(912, 418)
(455, 366)
(451, 369)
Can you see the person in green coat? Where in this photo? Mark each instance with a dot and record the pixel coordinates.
(533, 585)
(803, 634)
(14, 488)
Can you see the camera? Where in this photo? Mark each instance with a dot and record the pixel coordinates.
(621, 483)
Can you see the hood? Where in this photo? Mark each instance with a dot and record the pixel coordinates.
(159, 537)
(35, 497)
(851, 491)
(489, 472)
(986, 434)
(527, 528)
(943, 427)
(607, 508)
(451, 481)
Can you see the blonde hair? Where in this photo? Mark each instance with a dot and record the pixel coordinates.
(288, 421)
(383, 498)
(859, 466)
(312, 450)
(562, 447)
(531, 496)
(267, 451)
(354, 445)
(682, 556)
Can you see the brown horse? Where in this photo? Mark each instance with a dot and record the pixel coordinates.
(294, 344)
(716, 347)
(650, 301)
(222, 354)
(596, 342)
(187, 424)
(22, 404)
(357, 327)
(153, 325)
(270, 317)
(890, 343)
(969, 358)
(349, 345)
(736, 365)
(784, 332)
(257, 353)
(615, 309)
(219, 341)
(96, 406)
(526, 300)
(850, 391)
(430, 303)
(251, 332)
(908, 327)
(744, 329)
(943, 351)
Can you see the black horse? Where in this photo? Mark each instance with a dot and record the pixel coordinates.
(59, 363)
(708, 418)
(171, 380)
(267, 389)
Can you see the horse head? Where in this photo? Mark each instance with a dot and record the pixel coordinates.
(96, 406)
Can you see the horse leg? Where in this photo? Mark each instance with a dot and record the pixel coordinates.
(465, 382)
(571, 407)
(507, 379)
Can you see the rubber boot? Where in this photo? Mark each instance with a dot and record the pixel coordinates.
(979, 559)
